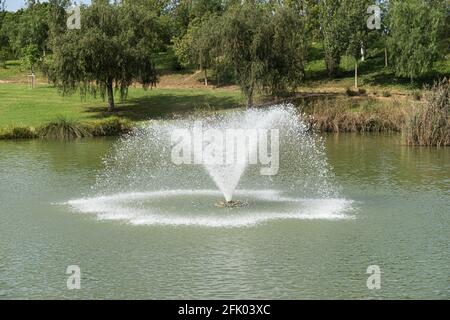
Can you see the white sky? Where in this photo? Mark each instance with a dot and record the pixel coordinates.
(14, 5)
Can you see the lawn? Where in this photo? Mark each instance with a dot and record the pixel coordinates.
(373, 74)
(182, 91)
(23, 106)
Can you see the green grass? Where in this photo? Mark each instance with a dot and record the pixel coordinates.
(372, 72)
(16, 73)
(22, 106)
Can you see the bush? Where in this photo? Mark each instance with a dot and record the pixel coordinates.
(386, 94)
(362, 91)
(110, 127)
(64, 129)
(18, 133)
(428, 124)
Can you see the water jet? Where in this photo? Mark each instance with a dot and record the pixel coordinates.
(161, 174)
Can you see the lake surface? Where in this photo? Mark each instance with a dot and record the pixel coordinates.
(399, 220)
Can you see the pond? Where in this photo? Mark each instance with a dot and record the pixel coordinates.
(394, 204)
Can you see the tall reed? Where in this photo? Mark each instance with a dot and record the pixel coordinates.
(345, 115)
(428, 124)
(64, 129)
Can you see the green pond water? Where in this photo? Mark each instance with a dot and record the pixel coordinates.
(399, 220)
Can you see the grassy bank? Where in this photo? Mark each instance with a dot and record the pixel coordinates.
(382, 104)
(64, 129)
(21, 106)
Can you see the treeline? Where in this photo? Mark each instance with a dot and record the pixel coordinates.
(261, 45)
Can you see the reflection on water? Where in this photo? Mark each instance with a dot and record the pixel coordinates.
(401, 208)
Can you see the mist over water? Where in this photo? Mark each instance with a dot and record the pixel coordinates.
(141, 184)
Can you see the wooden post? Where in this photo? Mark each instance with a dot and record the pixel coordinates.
(385, 57)
(32, 77)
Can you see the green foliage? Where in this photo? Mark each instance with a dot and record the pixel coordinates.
(416, 35)
(30, 57)
(344, 30)
(265, 51)
(3, 38)
(334, 36)
(114, 48)
(64, 129)
(110, 127)
(11, 133)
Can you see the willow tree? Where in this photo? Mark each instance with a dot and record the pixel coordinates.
(266, 47)
(112, 50)
(417, 34)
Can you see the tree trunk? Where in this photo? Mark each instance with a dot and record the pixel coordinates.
(109, 88)
(385, 57)
(250, 101)
(356, 73)
(206, 77)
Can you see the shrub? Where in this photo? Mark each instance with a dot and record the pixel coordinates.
(18, 133)
(428, 124)
(64, 129)
(362, 91)
(110, 127)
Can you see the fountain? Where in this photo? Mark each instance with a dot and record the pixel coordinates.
(263, 163)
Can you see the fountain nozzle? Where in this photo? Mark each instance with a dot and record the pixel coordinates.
(231, 204)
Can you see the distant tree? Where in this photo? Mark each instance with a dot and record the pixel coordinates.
(185, 12)
(334, 30)
(356, 29)
(198, 46)
(34, 29)
(30, 57)
(265, 47)
(416, 35)
(3, 37)
(113, 49)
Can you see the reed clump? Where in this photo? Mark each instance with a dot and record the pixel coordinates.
(344, 115)
(64, 129)
(428, 124)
